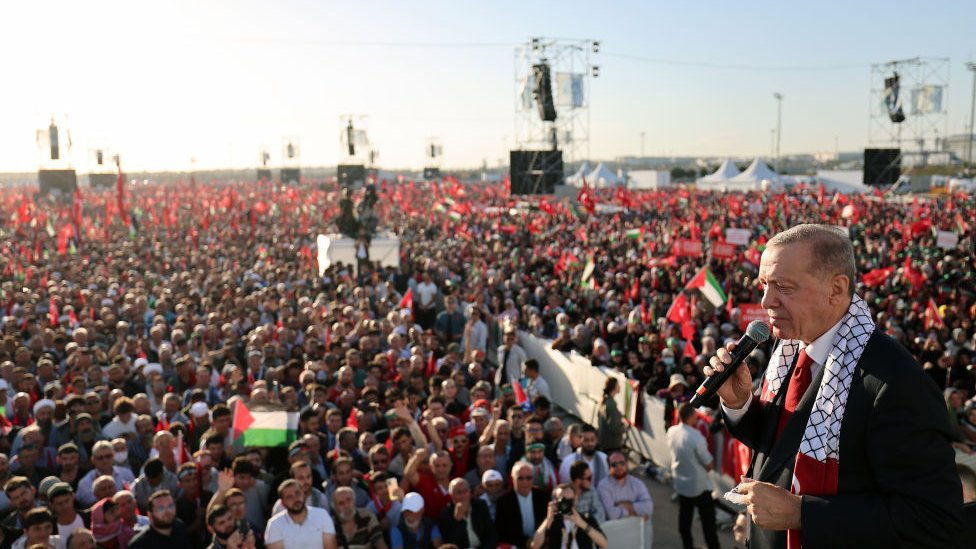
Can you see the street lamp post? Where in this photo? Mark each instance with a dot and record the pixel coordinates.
(779, 125)
(972, 106)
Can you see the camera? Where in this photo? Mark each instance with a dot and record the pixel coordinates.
(564, 506)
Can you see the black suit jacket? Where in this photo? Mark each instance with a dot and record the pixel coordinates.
(554, 535)
(897, 485)
(508, 517)
(456, 531)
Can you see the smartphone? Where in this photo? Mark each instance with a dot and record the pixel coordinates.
(392, 488)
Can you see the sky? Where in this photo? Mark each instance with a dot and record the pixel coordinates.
(183, 84)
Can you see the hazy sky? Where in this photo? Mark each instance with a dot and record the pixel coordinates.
(161, 82)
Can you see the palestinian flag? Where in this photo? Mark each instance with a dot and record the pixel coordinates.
(586, 279)
(264, 428)
(933, 316)
(708, 286)
(633, 234)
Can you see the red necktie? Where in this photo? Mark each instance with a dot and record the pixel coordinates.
(799, 382)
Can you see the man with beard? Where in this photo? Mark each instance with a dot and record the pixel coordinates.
(415, 530)
(494, 488)
(587, 452)
(165, 530)
(355, 528)
(467, 522)
(69, 460)
(299, 526)
(220, 522)
(302, 472)
(543, 473)
(625, 496)
(20, 492)
(140, 445)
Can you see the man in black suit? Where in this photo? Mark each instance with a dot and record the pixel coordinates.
(850, 437)
(522, 510)
(464, 512)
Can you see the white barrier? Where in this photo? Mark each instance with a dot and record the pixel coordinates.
(576, 386)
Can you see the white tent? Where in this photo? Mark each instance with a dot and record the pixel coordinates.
(842, 181)
(602, 177)
(577, 178)
(756, 173)
(726, 171)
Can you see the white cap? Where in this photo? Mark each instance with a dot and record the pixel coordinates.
(152, 367)
(140, 362)
(491, 475)
(199, 409)
(413, 502)
(43, 403)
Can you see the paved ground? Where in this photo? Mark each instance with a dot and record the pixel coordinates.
(665, 519)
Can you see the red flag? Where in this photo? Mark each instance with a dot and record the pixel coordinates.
(76, 210)
(876, 277)
(678, 312)
(52, 312)
(915, 278)
(431, 366)
(689, 351)
(353, 420)
(585, 198)
(520, 397)
(407, 302)
(120, 194)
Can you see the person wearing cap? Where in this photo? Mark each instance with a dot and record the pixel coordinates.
(675, 395)
(69, 464)
(61, 500)
(154, 477)
(510, 357)
(543, 473)
(299, 526)
(192, 502)
(494, 488)
(415, 530)
(521, 510)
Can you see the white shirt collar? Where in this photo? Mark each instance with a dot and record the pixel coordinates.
(819, 348)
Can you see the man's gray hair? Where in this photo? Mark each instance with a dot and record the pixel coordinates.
(832, 251)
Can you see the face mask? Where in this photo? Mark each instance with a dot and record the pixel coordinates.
(120, 457)
(668, 360)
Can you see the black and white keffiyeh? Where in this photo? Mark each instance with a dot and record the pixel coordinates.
(821, 437)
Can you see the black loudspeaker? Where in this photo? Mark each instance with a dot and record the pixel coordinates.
(432, 173)
(536, 172)
(881, 166)
(293, 175)
(58, 182)
(102, 180)
(351, 175)
(543, 92)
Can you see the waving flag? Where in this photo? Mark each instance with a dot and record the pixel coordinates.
(708, 286)
(264, 428)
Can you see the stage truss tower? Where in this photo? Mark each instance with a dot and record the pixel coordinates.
(923, 84)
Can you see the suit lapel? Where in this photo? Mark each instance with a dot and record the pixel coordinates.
(788, 443)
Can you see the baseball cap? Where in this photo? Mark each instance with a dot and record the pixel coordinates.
(57, 489)
(491, 475)
(413, 502)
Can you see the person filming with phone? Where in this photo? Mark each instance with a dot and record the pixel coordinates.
(564, 527)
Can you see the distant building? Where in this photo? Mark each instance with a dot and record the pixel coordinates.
(958, 146)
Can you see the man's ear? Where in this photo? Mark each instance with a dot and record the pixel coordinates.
(840, 285)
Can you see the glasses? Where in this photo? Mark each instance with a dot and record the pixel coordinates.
(529, 478)
(104, 456)
(589, 478)
(617, 463)
(518, 416)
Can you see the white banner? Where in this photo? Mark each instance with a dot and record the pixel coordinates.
(947, 240)
(335, 248)
(569, 89)
(927, 99)
(739, 237)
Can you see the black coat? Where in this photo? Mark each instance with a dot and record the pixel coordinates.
(554, 535)
(456, 532)
(897, 481)
(508, 517)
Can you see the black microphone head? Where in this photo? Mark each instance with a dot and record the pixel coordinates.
(758, 331)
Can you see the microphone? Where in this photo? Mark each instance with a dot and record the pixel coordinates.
(756, 333)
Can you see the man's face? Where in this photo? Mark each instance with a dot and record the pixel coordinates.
(503, 434)
(63, 504)
(343, 474)
(589, 443)
(163, 512)
(461, 493)
(293, 500)
(441, 466)
(535, 457)
(333, 423)
(404, 444)
(533, 432)
(223, 527)
(304, 477)
(494, 488)
(237, 506)
(618, 466)
(127, 506)
(189, 484)
(345, 505)
(797, 301)
(69, 460)
(22, 499)
(102, 459)
(516, 417)
(222, 424)
(39, 533)
(522, 479)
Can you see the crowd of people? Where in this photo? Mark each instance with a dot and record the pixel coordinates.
(136, 322)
